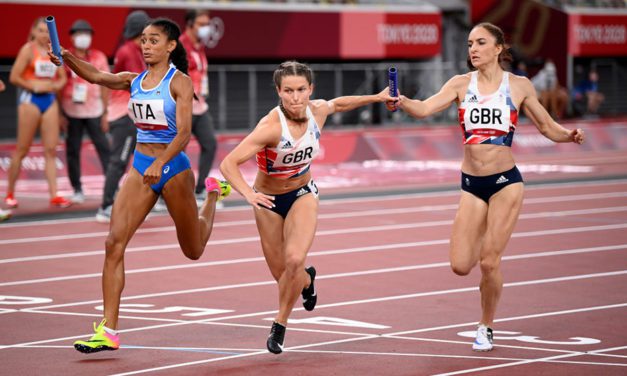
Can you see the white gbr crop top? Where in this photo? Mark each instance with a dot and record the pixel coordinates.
(291, 158)
(488, 119)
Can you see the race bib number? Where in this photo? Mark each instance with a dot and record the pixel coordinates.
(45, 69)
(148, 114)
(79, 92)
(492, 118)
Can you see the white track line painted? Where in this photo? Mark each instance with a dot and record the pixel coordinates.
(522, 362)
(564, 213)
(514, 318)
(445, 356)
(320, 233)
(374, 212)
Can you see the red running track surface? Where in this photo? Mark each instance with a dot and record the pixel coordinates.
(388, 302)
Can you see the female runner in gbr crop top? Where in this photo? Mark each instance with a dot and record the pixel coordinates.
(285, 142)
(492, 187)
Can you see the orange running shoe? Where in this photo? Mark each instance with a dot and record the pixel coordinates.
(60, 202)
(10, 201)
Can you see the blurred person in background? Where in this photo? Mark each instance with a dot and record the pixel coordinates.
(586, 96)
(520, 69)
(552, 96)
(128, 58)
(489, 100)
(194, 39)
(85, 106)
(38, 80)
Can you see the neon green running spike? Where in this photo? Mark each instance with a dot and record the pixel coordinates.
(100, 341)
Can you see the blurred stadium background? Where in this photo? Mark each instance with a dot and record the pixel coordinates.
(350, 44)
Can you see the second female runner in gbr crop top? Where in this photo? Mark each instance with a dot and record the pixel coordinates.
(285, 142)
(489, 100)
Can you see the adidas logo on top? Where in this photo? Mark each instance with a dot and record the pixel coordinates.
(502, 180)
(473, 99)
(301, 192)
(287, 145)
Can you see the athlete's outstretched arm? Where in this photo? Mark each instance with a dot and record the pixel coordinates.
(434, 104)
(118, 81)
(351, 102)
(541, 118)
(266, 133)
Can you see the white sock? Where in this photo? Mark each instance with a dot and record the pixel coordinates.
(110, 331)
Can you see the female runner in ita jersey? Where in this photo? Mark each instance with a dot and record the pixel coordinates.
(285, 142)
(161, 106)
(492, 188)
(38, 80)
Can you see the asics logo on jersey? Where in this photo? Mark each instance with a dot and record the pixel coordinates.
(502, 180)
(166, 169)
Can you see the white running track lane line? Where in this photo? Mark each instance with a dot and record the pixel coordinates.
(349, 214)
(350, 274)
(527, 201)
(415, 295)
(564, 213)
(265, 352)
(321, 233)
(420, 355)
(374, 197)
(514, 318)
(529, 361)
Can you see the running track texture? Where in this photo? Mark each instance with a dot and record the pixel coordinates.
(388, 302)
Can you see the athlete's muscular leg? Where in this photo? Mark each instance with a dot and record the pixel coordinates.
(28, 121)
(299, 231)
(270, 227)
(503, 213)
(130, 208)
(468, 231)
(193, 231)
(50, 139)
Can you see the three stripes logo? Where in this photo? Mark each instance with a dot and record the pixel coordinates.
(288, 145)
(473, 99)
(502, 179)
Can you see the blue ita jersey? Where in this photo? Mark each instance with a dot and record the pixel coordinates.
(153, 110)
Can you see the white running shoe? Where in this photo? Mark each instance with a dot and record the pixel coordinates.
(483, 341)
(160, 205)
(104, 215)
(5, 214)
(77, 198)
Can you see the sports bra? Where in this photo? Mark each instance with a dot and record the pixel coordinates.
(488, 119)
(291, 158)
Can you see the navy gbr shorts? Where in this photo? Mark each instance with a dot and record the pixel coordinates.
(486, 186)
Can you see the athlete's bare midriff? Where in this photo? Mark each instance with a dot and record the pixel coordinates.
(274, 186)
(483, 160)
(151, 149)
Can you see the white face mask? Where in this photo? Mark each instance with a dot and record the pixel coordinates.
(203, 33)
(82, 41)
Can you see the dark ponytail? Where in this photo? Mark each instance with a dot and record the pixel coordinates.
(178, 57)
